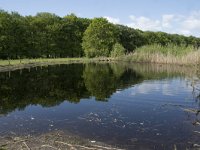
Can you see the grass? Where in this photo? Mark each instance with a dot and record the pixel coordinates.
(38, 61)
(170, 54)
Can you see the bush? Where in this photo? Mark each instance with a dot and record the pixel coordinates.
(118, 50)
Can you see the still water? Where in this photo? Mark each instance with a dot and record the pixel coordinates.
(126, 105)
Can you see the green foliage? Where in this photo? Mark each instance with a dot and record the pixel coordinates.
(166, 39)
(47, 35)
(118, 50)
(130, 38)
(99, 38)
(44, 35)
(72, 32)
(12, 34)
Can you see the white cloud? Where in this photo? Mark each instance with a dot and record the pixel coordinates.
(171, 23)
(166, 20)
(185, 32)
(191, 24)
(166, 88)
(113, 20)
(145, 88)
(144, 23)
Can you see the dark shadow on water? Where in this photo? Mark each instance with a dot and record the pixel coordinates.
(50, 86)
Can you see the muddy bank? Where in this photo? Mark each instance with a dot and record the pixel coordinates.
(59, 140)
(31, 65)
(56, 140)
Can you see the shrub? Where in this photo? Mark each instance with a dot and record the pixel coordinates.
(118, 50)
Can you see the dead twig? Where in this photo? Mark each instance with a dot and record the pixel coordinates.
(49, 146)
(107, 147)
(28, 148)
(70, 145)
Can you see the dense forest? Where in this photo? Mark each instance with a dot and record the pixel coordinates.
(47, 35)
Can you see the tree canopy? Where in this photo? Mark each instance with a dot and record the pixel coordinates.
(47, 35)
(99, 38)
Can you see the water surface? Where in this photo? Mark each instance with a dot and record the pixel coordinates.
(129, 105)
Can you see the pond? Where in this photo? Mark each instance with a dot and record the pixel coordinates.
(131, 106)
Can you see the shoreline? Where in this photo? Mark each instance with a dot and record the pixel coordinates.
(5, 65)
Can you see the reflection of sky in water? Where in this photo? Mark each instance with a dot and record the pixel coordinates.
(165, 87)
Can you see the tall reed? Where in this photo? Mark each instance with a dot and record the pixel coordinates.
(170, 54)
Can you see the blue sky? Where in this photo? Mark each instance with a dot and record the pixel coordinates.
(173, 16)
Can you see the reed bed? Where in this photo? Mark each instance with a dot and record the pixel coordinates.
(164, 55)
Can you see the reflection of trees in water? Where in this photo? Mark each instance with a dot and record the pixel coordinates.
(50, 86)
(99, 80)
(103, 80)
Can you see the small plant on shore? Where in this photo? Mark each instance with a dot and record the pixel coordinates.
(118, 50)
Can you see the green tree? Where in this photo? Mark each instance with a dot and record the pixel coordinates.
(130, 38)
(99, 38)
(5, 38)
(71, 34)
(42, 30)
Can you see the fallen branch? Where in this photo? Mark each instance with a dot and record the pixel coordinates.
(49, 146)
(74, 145)
(107, 147)
(26, 146)
(64, 143)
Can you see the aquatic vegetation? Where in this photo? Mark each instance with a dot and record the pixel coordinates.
(170, 54)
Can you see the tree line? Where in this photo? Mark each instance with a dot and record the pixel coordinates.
(47, 35)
